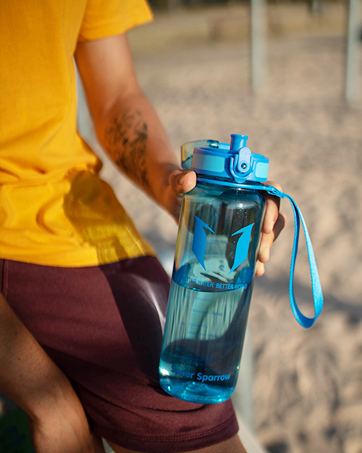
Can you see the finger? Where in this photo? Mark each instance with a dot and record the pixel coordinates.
(260, 269)
(182, 181)
(272, 205)
(267, 239)
(265, 246)
(271, 213)
(280, 224)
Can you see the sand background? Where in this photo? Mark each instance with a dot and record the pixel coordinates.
(194, 65)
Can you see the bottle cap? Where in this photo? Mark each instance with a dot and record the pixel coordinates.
(232, 163)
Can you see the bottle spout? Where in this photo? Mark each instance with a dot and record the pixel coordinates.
(237, 141)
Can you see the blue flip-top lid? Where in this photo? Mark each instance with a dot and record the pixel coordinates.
(233, 163)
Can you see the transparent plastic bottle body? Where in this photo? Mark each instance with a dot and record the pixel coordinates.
(218, 240)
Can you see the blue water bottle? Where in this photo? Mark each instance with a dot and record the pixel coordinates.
(212, 280)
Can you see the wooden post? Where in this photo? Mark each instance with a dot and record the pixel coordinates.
(352, 88)
(258, 43)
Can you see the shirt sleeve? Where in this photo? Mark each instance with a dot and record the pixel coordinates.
(103, 18)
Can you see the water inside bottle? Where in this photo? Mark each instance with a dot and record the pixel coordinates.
(203, 341)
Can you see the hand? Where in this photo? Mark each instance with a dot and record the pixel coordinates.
(274, 221)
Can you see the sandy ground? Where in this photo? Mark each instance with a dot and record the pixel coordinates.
(307, 383)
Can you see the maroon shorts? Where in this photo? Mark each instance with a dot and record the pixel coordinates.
(102, 326)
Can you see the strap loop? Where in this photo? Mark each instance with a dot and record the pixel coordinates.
(304, 321)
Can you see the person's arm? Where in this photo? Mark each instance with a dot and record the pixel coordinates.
(31, 380)
(126, 124)
(129, 130)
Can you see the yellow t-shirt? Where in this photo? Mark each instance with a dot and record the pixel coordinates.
(54, 209)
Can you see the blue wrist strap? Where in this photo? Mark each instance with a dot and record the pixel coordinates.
(316, 285)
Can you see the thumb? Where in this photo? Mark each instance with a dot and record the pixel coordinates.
(182, 181)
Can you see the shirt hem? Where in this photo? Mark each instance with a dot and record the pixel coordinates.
(69, 260)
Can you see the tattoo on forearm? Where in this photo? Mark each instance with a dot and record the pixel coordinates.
(126, 139)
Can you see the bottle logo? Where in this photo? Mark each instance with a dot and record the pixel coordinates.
(200, 240)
